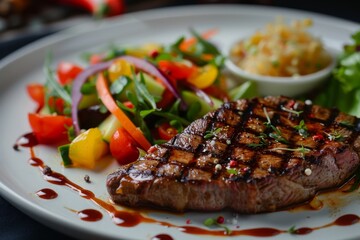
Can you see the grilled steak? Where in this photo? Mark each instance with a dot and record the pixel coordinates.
(250, 156)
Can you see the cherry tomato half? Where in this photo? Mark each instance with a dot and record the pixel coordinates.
(166, 132)
(166, 99)
(67, 71)
(123, 147)
(96, 58)
(56, 104)
(177, 70)
(37, 93)
(50, 129)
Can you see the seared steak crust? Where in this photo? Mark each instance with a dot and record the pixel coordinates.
(250, 156)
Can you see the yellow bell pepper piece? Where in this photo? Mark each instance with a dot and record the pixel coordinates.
(205, 77)
(88, 148)
(144, 50)
(120, 67)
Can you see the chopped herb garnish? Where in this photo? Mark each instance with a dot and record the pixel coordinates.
(267, 117)
(303, 150)
(209, 222)
(346, 124)
(302, 129)
(356, 183)
(277, 133)
(297, 113)
(335, 136)
(212, 133)
(277, 136)
(232, 171)
(262, 142)
(292, 230)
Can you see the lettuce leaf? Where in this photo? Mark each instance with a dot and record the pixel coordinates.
(343, 89)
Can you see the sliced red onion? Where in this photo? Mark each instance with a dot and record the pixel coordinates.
(84, 75)
(76, 90)
(152, 70)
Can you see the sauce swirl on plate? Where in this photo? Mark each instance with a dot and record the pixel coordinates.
(126, 218)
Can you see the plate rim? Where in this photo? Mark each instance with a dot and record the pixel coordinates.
(28, 207)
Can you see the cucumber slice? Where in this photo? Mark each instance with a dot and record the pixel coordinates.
(155, 88)
(108, 127)
(246, 90)
(64, 153)
(190, 97)
(88, 101)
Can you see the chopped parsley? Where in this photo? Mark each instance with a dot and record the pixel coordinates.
(209, 222)
(297, 113)
(212, 133)
(302, 129)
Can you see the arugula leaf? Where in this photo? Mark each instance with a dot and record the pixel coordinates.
(125, 108)
(193, 110)
(140, 121)
(52, 84)
(175, 107)
(171, 116)
(132, 98)
(145, 113)
(88, 88)
(142, 92)
(177, 125)
(203, 45)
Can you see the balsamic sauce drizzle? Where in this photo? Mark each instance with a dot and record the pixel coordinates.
(131, 218)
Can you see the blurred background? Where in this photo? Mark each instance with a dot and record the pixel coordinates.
(23, 21)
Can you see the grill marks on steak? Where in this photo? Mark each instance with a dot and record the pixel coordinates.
(191, 171)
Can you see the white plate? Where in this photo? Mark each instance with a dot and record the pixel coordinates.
(19, 181)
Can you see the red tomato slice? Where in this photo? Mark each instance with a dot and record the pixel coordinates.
(57, 104)
(95, 58)
(176, 70)
(37, 93)
(166, 100)
(166, 132)
(123, 147)
(128, 104)
(50, 129)
(67, 71)
(216, 92)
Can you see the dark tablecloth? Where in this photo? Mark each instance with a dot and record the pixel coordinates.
(15, 225)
